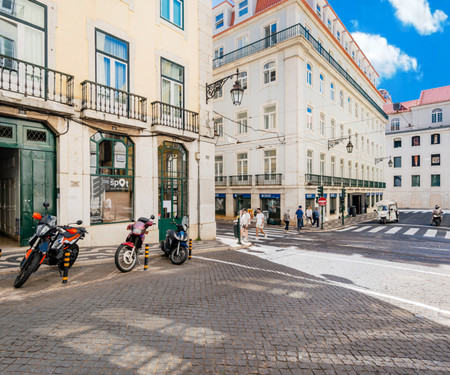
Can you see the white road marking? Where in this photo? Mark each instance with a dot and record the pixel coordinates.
(376, 229)
(346, 229)
(329, 282)
(393, 230)
(430, 233)
(447, 235)
(411, 232)
(360, 229)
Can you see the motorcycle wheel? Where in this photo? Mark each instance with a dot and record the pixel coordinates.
(74, 250)
(26, 271)
(181, 257)
(437, 222)
(125, 258)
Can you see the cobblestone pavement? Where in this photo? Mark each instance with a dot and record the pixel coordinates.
(223, 312)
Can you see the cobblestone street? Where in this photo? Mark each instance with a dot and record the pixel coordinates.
(222, 312)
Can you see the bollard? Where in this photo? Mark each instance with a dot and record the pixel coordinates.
(66, 267)
(0, 253)
(146, 257)
(190, 248)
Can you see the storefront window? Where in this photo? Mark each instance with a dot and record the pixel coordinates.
(220, 204)
(112, 178)
(241, 201)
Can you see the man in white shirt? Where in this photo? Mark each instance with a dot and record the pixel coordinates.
(260, 219)
(245, 222)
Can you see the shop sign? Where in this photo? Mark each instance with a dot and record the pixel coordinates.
(242, 195)
(220, 195)
(310, 196)
(116, 184)
(333, 195)
(269, 196)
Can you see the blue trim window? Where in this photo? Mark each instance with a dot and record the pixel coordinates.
(321, 88)
(319, 10)
(173, 11)
(219, 21)
(243, 8)
(332, 91)
(308, 74)
(436, 115)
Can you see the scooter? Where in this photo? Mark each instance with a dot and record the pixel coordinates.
(127, 253)
(175, 245)
(437, 219)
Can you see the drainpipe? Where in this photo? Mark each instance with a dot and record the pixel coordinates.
(197, 157)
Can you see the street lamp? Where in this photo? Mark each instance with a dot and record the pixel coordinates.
(378, 160)
(334, 142)
(237, 92)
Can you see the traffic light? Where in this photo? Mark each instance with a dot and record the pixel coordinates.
(344, 193)
(320, 191)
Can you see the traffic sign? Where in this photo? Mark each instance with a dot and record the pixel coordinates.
(322, 201)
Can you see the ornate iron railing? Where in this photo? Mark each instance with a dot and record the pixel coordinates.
(109, 100)
(319, 180)
(241, 180)
(34, 80)
(268, 179)
(221, 180)
(174, 117)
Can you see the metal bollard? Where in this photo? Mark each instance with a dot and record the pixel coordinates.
(146, 257)
(66, 267)
(0, 253)
(190, 248)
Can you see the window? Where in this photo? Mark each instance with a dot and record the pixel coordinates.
(322, 164)
(436, 115)
(242, 78)
(172, 11)
(270, 34)
(397, 162)
(309, 162)
(218, 53)
(308, 74)
(436, 159)
(415, 180)
(219, 165)
(350, 173)
(338, 35)
(7, 6)
(112, 178)
(332, 91)
(435, 139)
(342, 167)
(342, 130)
(270, 162)
(269, 72)
(329, 23)
(321, 88)
(356, 110)
(357, 171)
(319, 10)
(242, 41)
(341, 98)
(242, 164)
(219, 21)
(333, 128)
(243, 8)
(395, 124)
(242, 123)
(172, 83)
(415, 141)
(415, 160)
(309, 118)
(218, 126)
(270, 117)
(397, 181)
(397, 143)
(218, 93)
(322, 124)
(435, 180)
(349, 100)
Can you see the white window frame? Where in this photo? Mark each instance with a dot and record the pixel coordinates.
(309, 118)
(322, 123)
(269, 118)
(332, 92)
(219, 22)
(242, 164)
(171, 18)
(268, 160)
(309, 161)
(218, 166)
(269, 68)
(321, 83)
(309, 74)
(242, 122)
(243, 79)
(436, 115)
(243, 8)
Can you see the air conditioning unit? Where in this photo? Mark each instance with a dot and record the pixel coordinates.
(398, 106)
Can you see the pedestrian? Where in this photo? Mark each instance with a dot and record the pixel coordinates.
(300, 216)
(260, 219)
(309, 212)
(286, 219)
(245, 222)
(316, 216)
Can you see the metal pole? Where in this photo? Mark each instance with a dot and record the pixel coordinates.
(321, 218)
(146, 257)
(239, 229)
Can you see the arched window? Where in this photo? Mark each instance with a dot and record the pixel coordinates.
(308, 74)
(321, 88)
(436, 115)
(269, 72)
(395, 124)
(332, 91)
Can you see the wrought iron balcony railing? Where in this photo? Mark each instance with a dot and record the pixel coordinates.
(221, 180)
(286, 34)
(37, 81)
(268, 179)
(109, 100)
(319, 180)
(174, 117)
(241, 180)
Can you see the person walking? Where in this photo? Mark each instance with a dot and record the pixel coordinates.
(245, 222)
(286, 219)
(260, 219)
(300, 216)
(309, 213)
(316, 216)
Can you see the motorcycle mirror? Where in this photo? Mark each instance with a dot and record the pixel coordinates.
(79, 222)
(152, 217)
(132, 220)
(46, 204)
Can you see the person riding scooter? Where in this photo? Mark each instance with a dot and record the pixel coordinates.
(437, 216)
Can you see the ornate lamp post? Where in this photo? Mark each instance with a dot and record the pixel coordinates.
(237, 92)
(334, 142)
(390, 163)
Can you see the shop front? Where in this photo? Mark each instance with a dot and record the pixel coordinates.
(241, 201)
(271, 206)
(310, 201)
(333, 197)
(220, 203)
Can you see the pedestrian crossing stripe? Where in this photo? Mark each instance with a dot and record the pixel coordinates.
(430, 233)
(346, 229)
(360, 229)
(393, 230)
(413, 231)
(376, 229)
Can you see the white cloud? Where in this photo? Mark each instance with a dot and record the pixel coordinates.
(418, 14)
(385, 58)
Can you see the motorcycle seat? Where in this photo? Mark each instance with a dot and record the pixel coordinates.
(143, 220)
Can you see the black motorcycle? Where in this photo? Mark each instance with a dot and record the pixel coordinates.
(175, 245)
(437, 219)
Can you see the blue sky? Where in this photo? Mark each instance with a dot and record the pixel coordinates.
(407, 41)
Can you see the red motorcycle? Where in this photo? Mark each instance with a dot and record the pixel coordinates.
(127, 253)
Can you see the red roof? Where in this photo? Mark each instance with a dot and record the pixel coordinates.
(264, 4)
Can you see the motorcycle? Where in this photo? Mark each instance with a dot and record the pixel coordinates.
(175, 245)
(127, 253)
(437, 219)
(48, 245)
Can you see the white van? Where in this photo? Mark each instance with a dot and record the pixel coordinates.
(387, 211)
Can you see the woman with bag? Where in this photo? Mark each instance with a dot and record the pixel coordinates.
(286, 219)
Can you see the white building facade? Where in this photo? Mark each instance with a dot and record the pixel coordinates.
(306, 83)
(417, 139)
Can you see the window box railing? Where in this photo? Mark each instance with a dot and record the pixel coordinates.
(106, 99)
(36, 81)
(268, 179)
(286, 34)
(174, 117)
(331, 181)
(221, 180)
(241, 180)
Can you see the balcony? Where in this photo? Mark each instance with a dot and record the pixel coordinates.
(170, 120)
(287, 34)
(221, 180)
(241, 180)
(117, 105)
(30, 80)
(319, 180)
(268, 179)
